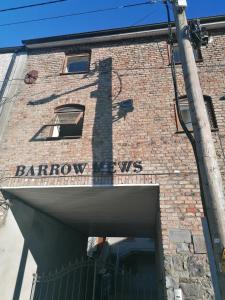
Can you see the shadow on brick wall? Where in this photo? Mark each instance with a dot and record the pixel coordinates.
(53, 97)
(102, 150)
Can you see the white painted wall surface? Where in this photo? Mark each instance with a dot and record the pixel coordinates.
(30, 241)
(11, 90)
(11, 248)
(5, 59)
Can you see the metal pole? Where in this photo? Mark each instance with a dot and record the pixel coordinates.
(94, 280)
(33, 286)
(206, 154)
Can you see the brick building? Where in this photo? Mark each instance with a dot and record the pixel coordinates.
(91, 146)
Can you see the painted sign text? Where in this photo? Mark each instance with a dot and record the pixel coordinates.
(106, 167)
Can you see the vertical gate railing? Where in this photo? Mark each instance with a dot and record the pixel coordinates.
(91, 280)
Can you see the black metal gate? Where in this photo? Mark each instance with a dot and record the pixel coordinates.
(89, 279)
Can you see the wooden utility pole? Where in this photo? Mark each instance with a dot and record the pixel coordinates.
(208, 166)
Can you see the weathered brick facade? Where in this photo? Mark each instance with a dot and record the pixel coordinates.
(136, 69)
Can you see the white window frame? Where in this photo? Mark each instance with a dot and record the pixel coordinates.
(76, 56)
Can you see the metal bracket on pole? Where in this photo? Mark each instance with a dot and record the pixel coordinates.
(180, 5)
(198, 34)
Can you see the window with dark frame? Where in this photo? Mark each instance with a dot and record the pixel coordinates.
(77, 63)
(66, 124)
(177, 58)
(68, 121)
(186, 116)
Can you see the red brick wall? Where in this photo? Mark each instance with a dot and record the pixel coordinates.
(139, 71)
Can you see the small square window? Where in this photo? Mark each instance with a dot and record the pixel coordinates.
(77, 63)
(177, 58)
(186, 116)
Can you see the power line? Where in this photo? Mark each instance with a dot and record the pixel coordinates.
(81, 13)
(144, 17)
(30, 5)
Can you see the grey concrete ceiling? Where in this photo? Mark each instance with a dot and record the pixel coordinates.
(98, 211)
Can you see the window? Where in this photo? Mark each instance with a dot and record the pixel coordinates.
(68, 121)
(77, 63)
(186, 116)
(176, 54)
(66, 124)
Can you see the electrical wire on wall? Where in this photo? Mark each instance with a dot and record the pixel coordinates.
(174, 77)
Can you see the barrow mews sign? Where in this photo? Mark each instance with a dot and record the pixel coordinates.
(105, 167)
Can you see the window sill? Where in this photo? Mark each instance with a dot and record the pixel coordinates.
(181, 131)
(179, 63)
(57, 138)
(73, 73)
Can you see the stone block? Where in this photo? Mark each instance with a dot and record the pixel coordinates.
(170, 282)
(191, 290)
(182, 247)
(178, 263)
(199, 244)
(168, 264)
(180, 235)
(197, 291)
(170, 294)
(196, 266)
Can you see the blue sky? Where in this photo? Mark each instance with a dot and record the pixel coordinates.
(12, 35)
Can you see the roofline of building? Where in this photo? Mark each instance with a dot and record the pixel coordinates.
(158, 29)
(11, 49)
(117, 34)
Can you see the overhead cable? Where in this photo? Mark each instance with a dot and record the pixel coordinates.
(79, 13)
(30, 5)
(144, 17)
